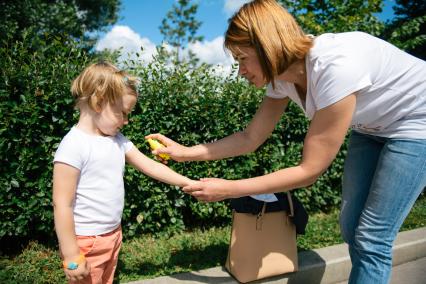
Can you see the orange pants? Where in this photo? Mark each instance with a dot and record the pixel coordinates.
(102, 255)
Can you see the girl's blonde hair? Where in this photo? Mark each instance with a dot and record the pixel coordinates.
(272, 32)
(101, 83)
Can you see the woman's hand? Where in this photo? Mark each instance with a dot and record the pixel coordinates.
(210, 189)
(176, 151)
(82, 271)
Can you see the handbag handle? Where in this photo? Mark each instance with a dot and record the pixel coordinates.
(259, 218)
(290, 204)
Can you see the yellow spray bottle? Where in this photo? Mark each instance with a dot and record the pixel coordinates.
(154, 144)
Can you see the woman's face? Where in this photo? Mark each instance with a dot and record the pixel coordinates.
(112, 118)
(249, 66)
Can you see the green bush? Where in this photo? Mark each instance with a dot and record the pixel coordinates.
(36, 110)
(188, 105)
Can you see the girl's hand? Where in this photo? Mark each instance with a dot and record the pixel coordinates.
(82, 271)
(176, 151)
(210, 189)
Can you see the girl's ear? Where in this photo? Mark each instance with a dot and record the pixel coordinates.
(96, 103)
(98, 108)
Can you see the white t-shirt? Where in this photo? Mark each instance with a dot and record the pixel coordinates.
(99, 199)
(391, 84)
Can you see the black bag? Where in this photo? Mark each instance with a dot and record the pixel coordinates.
(248, 204)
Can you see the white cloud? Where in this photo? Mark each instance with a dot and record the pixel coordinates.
(130, 42)
(210, 52)
(232, 6)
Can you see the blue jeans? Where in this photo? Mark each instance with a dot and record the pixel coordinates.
(382, 179)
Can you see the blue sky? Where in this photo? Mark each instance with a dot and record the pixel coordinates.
(139, 23)
(145, 16)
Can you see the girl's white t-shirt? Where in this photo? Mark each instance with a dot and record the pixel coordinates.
(99, 199)
(390, 84)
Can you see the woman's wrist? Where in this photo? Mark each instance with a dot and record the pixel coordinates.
(196, 153)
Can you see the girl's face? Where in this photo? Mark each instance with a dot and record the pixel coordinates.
(249, 66)
(112, 118)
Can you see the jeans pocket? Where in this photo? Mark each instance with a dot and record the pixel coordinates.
(86, 243)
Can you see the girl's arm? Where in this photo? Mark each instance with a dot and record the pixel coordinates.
(326, 134)
(248, 140)
(64, 186)
(155, 169)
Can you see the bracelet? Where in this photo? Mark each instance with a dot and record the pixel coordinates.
(73, 265)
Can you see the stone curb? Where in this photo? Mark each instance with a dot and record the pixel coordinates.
(326, 265)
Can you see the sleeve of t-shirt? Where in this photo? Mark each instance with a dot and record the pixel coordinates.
(337, 78)
(70, 152)
(127, 144)
(281, 90)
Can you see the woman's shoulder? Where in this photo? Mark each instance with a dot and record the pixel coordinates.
(341, 43)
(340, 50)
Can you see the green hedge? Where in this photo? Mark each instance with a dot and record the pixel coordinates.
(188, 105)
(36, 109)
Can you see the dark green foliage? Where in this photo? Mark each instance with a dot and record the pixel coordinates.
(70, 17)
(333, 16)
(36, 110)
(408, 29)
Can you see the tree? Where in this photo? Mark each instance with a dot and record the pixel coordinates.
(408, 29)
(318, 17)
(72, 17)
(179, 28)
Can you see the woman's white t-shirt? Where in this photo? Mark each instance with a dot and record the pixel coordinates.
(390, 84)
(99, 199)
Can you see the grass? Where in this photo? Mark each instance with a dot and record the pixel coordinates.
(148, 257)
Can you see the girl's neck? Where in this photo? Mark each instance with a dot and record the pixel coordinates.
(86, 122)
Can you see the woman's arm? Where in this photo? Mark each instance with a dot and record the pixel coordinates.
(322, 142)
(155, 169)
(64, 186)
(258, 130)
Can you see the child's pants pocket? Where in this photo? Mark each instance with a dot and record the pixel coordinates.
(86, 243)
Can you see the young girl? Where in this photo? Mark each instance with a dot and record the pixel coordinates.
(88, 187)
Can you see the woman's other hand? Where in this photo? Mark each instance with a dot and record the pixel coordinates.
(210, 189)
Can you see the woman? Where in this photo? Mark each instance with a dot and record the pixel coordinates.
(341, 81)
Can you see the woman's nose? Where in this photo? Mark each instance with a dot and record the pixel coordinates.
(241, 70)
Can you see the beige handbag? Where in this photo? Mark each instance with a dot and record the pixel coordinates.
(262, 245)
